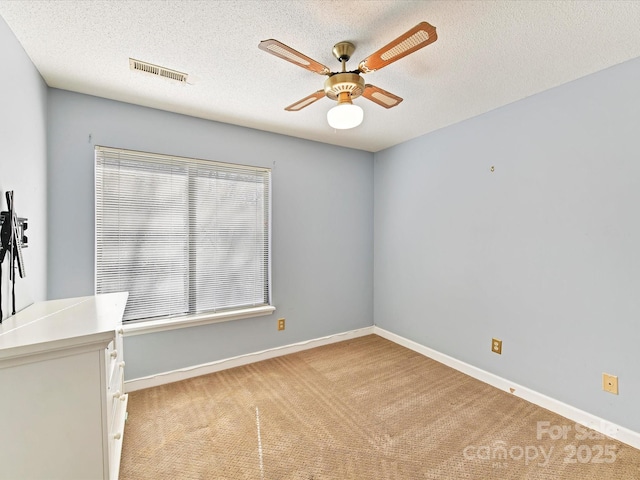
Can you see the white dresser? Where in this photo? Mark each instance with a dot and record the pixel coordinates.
(62, 401)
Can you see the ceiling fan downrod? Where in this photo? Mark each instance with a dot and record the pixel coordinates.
(340, 85)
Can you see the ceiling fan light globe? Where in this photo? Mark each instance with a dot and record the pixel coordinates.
(344, 116)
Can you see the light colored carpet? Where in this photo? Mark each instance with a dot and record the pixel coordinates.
(360, 409)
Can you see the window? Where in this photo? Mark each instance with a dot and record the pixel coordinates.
(182, 236)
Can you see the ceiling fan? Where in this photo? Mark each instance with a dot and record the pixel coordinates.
(344, 86)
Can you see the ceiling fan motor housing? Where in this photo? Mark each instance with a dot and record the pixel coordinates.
(351, 83)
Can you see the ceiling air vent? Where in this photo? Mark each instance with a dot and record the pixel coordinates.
(157, 70)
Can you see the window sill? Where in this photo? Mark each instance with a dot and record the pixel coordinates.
(152, 326)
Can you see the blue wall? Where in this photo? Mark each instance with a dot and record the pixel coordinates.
(23, 167)
(322, 230)
(541, 253)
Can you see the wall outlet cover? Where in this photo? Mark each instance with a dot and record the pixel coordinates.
(610, 383)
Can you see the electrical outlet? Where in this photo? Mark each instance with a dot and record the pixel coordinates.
(281, 324)
(496, 346)
(610, 383)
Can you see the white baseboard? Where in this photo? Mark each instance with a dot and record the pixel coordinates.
(204, 369)
(584, 418)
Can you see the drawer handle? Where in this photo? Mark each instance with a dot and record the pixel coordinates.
(117, 394)
(121, 364)
(114, 354)
(118, 436)
(123, 397)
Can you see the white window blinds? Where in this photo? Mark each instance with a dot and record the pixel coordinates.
(181, 235)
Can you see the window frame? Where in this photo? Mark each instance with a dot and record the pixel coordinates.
(170, 322)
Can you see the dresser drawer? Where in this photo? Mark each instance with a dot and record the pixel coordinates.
(115, 434)
(115, 391)
(114, 355)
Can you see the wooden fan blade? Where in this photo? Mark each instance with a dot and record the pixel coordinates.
(305, 102)
(274, 47)
(381, 97)
(419, 36)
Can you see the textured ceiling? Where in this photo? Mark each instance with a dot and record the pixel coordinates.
(488, 54)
